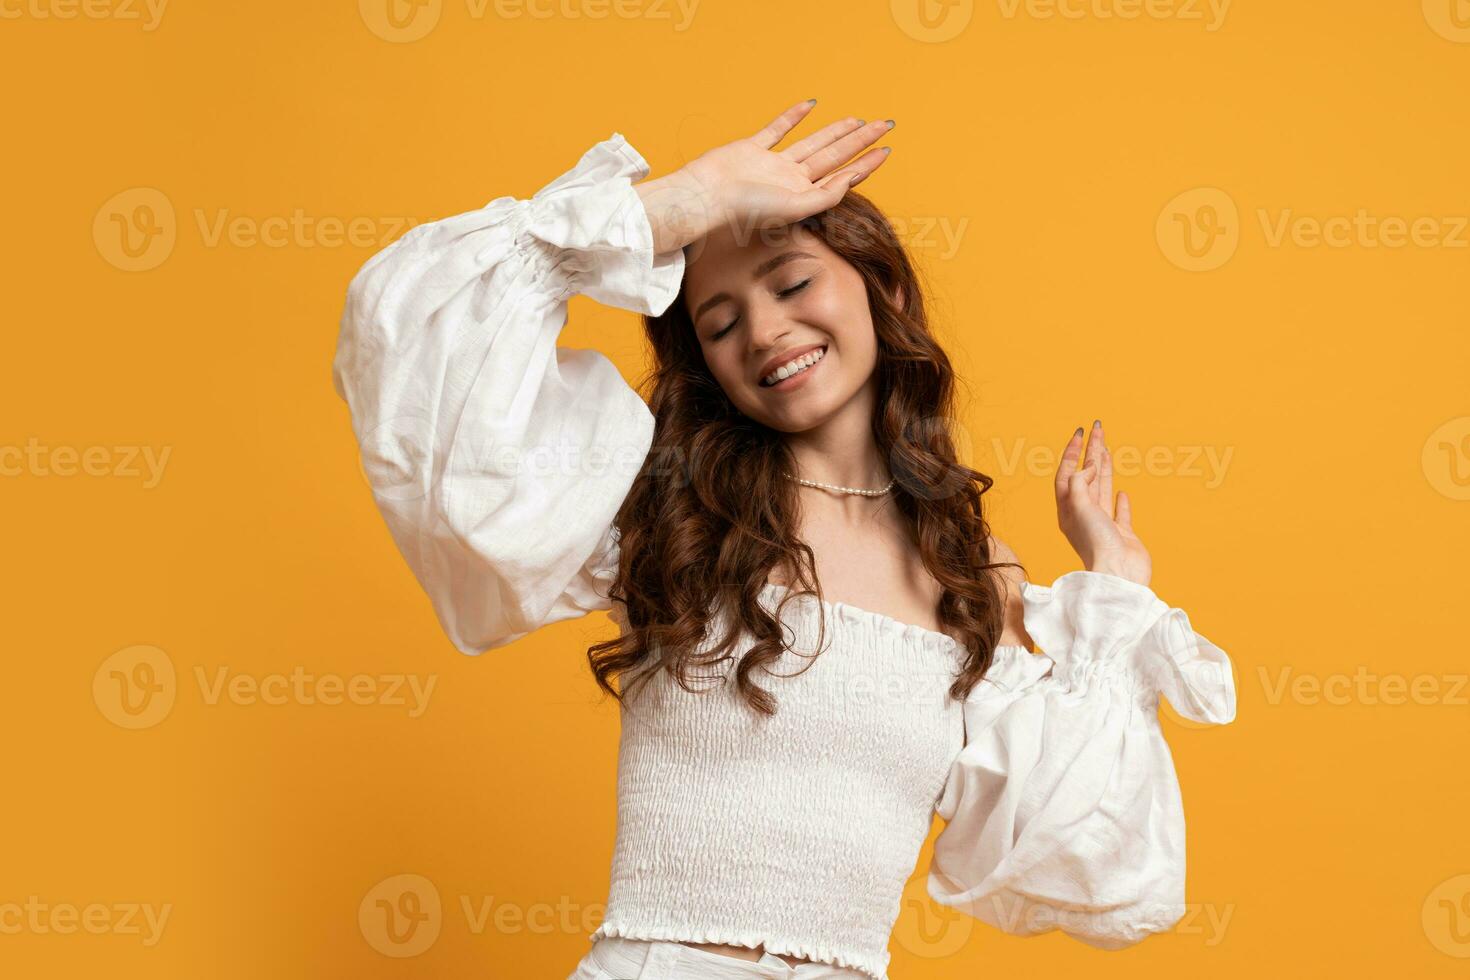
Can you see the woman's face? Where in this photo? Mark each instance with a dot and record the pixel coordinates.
(758, 301)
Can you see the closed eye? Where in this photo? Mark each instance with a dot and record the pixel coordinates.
(795, 289)
(783, 294)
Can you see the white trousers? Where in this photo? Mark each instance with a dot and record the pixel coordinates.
(615, 958)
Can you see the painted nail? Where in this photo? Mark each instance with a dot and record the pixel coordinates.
(891, 123)
(811, 101)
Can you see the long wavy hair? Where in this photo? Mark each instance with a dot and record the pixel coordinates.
(711, 513)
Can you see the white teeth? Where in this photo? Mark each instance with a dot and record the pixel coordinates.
(795, 366)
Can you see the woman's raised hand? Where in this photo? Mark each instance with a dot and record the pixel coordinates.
(1099, 528)
(749, 185)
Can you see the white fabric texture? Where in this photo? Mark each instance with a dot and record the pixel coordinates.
(796, 831)
(499, 460)
(1064, 809)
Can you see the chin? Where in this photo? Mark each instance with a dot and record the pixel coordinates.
(800, 418)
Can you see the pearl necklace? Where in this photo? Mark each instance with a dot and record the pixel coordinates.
(828, 486)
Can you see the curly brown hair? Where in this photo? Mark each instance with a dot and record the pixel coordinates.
(711, 513)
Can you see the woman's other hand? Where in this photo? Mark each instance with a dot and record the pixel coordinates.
(1099, 527)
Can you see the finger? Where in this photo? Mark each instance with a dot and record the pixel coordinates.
(1081, 488)
(1125, 511)
(830, 191)
(775, 130)
(870, 162)
(862, 168)
(800, 150)
(1105, 480)
(1068, 465)
(825, 195)
(827, 159)
(1094, 444)
(1092, 470)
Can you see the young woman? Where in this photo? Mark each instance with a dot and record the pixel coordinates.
(782, 754)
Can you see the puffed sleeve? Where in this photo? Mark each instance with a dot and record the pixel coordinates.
(1063, 807)
(498, 459)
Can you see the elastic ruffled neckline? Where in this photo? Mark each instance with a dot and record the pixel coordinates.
(879, 622)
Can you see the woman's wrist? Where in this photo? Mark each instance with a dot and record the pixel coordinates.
(680, 210)
(1111, 564)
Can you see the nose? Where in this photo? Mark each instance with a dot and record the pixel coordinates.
(768, 325)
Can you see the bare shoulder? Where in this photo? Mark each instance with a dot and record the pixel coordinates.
(1011, 577)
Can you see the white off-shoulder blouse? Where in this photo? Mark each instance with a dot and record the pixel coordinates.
(499, 461)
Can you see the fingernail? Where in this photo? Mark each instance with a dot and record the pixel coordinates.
(811, 101)
(887, 150)
(891, 123)
(1078, 432)
(862, 122)
(1097, 423)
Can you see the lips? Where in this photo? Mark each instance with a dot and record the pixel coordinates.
(795, 353)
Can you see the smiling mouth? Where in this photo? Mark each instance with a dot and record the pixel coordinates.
(821, 351)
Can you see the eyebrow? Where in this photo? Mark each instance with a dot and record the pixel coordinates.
(767, 266)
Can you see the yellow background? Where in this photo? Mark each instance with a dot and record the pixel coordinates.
(1326, 833)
